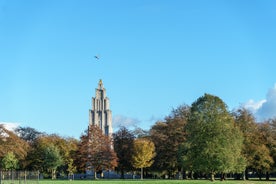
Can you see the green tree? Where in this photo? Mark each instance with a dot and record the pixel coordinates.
(45, 156)
(51, 159)
(143, 154)
(123, 146)
(214, 143)
(67, 148)
(9, 162)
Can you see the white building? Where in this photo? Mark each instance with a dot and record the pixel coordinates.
(101, 114)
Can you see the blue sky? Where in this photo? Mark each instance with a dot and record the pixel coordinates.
(154, 56)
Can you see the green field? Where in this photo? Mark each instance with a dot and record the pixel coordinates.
(153, 182)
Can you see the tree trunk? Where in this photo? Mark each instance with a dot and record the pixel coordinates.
(260, 175)
(95, 175)
(222, 176)
(180, 174)
(192, 175)
(133, 174)
(53, 174)
(142, 173)
(185, 175)
(212, 176)
(267, 176)
(122, 174)
(243, 175)
(246, 174)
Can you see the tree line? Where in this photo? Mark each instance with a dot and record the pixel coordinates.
(197, 141)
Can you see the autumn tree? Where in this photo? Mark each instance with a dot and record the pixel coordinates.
(143, 154)
(255, 150)
(71, 169)
(268, 140)
(123, 146)
(272, 123)
(214, 143)
(95, 151)
(10, 142)
(167, 137)
(81, 157)
(34, 158)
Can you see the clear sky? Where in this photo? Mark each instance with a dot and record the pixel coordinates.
(154, 56)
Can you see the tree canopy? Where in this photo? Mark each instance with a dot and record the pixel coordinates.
(123, 146)
(214, 144)
(143, 154)
(10, 142)
(95, 151)
(255, 149)
(9, 162)
(167, 137)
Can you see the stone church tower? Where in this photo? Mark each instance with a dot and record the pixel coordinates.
(101, 115)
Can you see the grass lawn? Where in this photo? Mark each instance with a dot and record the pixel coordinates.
(153, 182)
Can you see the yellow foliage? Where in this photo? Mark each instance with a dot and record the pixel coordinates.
(144, 152)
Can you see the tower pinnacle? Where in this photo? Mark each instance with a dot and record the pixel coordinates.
(100, 114)
(100, 85)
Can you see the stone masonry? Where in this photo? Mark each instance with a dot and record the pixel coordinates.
(100, 114)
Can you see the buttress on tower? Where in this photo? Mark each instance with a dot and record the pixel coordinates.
(101, 115)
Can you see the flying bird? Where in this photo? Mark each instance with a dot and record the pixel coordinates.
(97, 57)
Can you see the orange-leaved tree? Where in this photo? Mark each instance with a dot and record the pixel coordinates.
(95, 151)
